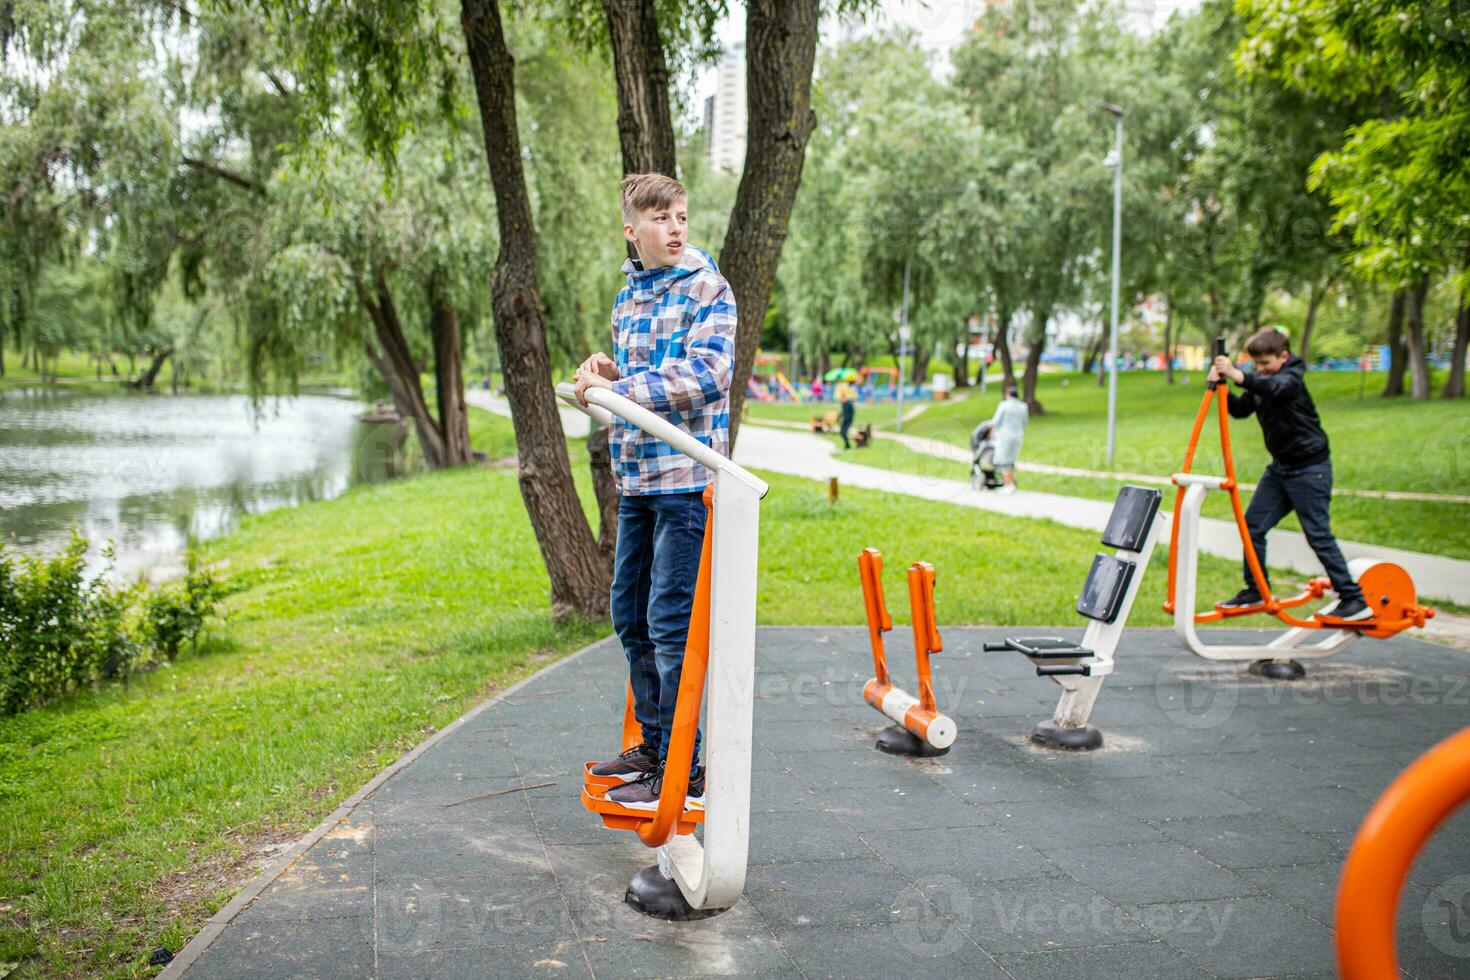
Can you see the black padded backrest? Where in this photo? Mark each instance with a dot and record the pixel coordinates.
(1107, 583)
(1133, 514)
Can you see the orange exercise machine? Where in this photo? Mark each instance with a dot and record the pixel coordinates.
(1418, 801)
(921, 729)
(1386, 586)
(696, 877)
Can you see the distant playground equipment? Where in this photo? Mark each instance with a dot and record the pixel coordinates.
(1392, 834)
(759, 385)
(982, 457)
(1387, 588)
(693, 880)
(921, 729)
(1106, 599)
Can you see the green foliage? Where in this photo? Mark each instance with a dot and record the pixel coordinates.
(1400, 183)
(175, 613)
(61, 631)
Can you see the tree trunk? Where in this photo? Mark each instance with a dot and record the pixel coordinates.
(962, 359)
(2, 350)
(1037, 347)
(580, 577)
(1094, 351)
(780, 50)
(919, 369)
(1003, 345)
(645, 127)
(1393, 387)
(454, 420)
(599, 460)
(1168, 341)
(150, 376)
(401, 370)
(1304, 349)
(1454, 386)
(1414, 341)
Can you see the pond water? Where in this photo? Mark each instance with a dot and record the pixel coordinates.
(150, 471)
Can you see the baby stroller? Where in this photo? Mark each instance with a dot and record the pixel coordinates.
(982, 458)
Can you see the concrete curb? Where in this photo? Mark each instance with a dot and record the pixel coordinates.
(212, 929)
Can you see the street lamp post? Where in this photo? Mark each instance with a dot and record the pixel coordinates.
(1117, 113)
(903, 343)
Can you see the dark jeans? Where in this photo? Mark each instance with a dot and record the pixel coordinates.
(660, 537)
(847, 413)
(1308, 491)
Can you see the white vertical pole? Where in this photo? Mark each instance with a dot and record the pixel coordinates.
(903, 339)
(1117, 254)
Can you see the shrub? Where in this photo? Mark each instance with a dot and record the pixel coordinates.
(58, 630)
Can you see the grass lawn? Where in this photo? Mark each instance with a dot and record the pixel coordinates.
(1377, 445)
(131, 815)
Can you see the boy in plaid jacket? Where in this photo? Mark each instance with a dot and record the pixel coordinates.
(674, 334)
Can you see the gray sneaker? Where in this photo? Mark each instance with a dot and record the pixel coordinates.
(636, 763)
(643, 795)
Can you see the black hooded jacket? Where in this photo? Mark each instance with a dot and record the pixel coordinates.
(1289, 421)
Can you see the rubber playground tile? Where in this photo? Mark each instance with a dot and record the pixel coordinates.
(253, 947)
(1243, 937)
(974, 854)
(1312, 808)
(1032, 913)
(1136, 961)
(702, 953)
(888, 808)
(1170, 797)
(1139, 874)
(819, 893)
(1045, 825)
(1003, 782)
(479, 847)
(333, 878)
(484, 910)
(1250, 842)
(558, 959)
(899, 949)
(777, 837)
(1309, 888)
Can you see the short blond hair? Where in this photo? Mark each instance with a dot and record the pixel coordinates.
(648, 192)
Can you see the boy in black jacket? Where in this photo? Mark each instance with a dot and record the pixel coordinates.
(1299, 476)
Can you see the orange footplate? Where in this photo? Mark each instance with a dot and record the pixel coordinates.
(594, 798)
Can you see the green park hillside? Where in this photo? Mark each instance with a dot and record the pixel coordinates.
(1394, 445)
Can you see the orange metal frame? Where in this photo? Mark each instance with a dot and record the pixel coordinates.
(1402, 611)
(671, 817)
(1405, 816)
(926, 636)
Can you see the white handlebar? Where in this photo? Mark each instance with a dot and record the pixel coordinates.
(602, 405)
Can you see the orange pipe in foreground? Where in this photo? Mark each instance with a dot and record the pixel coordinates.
(1392, 834)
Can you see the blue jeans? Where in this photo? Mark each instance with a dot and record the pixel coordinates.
(660, 537)
(1308, 491)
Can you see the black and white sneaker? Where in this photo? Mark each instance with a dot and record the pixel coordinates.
(1241, 600)
(1349, 611)
(636, 763)
(643, 795)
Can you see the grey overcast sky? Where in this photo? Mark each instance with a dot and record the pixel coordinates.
(938, 24)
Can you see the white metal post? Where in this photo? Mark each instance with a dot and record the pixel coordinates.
(903, 340)
(1117, 114)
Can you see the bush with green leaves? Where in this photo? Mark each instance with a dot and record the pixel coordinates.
(61, 631)
(175, 613)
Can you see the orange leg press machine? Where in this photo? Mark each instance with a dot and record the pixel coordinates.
(698, 874)
(921, 729)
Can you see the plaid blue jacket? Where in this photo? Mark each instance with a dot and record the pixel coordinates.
(674, 334)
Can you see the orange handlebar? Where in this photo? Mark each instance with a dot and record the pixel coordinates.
(1395, 829)
(870, 568)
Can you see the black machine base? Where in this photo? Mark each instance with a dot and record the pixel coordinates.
(652, 894)
(897, 740)
(1278, 670)
(1050, 735)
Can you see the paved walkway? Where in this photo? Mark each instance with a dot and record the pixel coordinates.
(803, 454)
(1205, 840)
